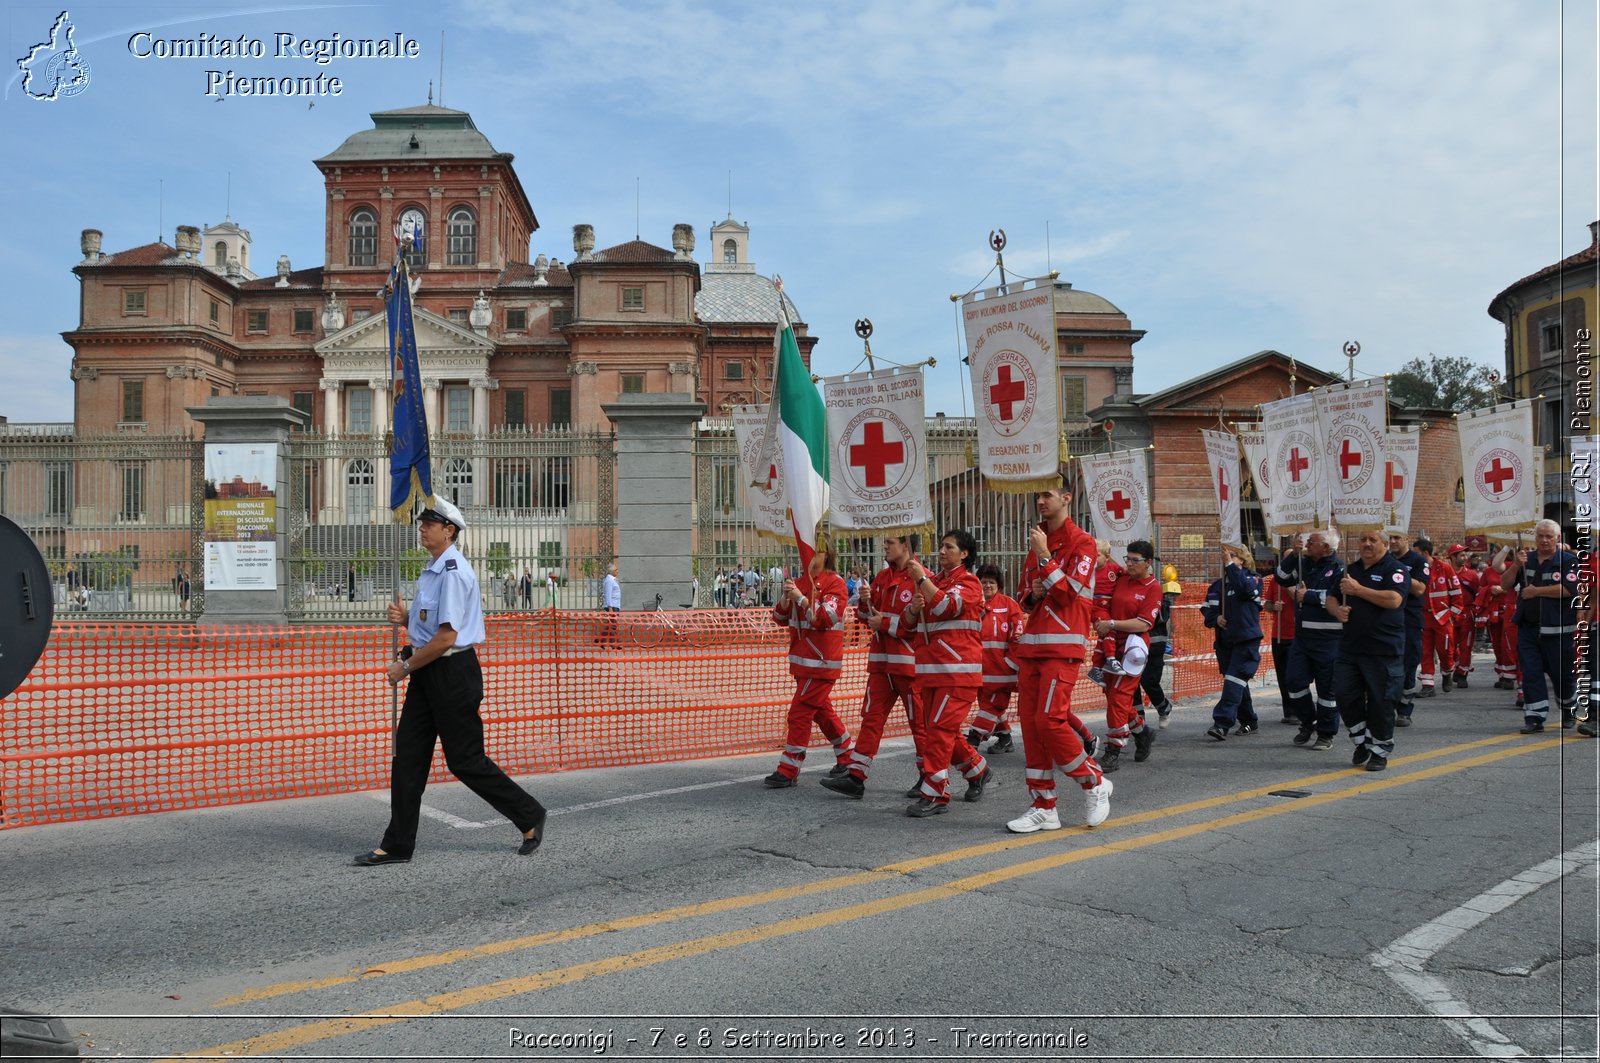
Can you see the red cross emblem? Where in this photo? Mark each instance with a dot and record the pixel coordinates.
(1006, 393)
(1348, 459)
(1393, 482)
(1298, 463)
(1497, 475)
(1119, 504)
(1222, 482)
(875, 454)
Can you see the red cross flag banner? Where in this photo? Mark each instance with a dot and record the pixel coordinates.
(1117, 486)
(1294, 449)
(761, 489)
(1254, 443)
(1497, 468)
(1353, 419)
(1402, 451)
(879, 431)
(1585, 467)
(1222, 452)
(1011, 348)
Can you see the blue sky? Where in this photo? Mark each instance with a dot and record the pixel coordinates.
(1233, 175)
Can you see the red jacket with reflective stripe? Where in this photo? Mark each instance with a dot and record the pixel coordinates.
(816, 632)
(1002, 623)
(951, 651)
(893, 650)
(1442, 603)
(1058, 623)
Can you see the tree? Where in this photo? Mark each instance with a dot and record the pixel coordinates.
(1457, 384)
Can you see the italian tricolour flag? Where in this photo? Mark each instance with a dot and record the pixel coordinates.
(803, 435)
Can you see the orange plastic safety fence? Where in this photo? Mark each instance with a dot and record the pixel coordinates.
(127, 719)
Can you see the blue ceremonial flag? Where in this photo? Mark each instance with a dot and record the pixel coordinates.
(410, 477)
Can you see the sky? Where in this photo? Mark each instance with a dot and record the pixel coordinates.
(1234, 175)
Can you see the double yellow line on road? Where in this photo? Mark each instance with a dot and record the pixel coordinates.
(307, 1033)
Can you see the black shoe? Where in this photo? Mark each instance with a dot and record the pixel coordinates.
(1532, 727)
(1217, 732)
(975, 787)
(1305, 735)
(1588, 730)
(924, 808)
(1111, 760)
(1295, 720)
(975, 737)
(530, 845)
(1568, 721)
(1360, 756)
(848, 785)
(838, 770)
(1377, 763)
(1142, 743)
(1093, 747)
(1461, 681)
(1449, 682)
(1504, 684)
(1002, 742)
(1402, 721)
(375, 858)
(777, 781)
(1427, 692)
(1249, 728)
(915, 791)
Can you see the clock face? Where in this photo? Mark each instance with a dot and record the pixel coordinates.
(412, 222)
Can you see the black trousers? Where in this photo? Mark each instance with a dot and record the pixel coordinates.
(1150, 681)
(441, 705)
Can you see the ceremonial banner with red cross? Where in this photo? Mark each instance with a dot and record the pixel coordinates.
(1117, 486)
(1011, 348)
(1498, 471)
(1222, 453)
(1402, 448)
(879, 431)
(1253, 441)
(1353, 420)
(761, 489)
(1295, 454)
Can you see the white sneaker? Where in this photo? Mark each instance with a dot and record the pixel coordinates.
(1097, 803)
(1035, 819)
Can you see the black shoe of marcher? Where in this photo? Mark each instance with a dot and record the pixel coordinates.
(838, 770)
(1588, 729)
(1449, 681)
(1461, 681)
(976, 786)
(848, 785)
(916, 790)
(1568, 721)
(925, 808)
(777, 781)
(1305, 735)
(376, 859)
(530, 845)
(1402, 721)
(1426, 692)
(1249, 728)
(974, 737)
(1142, 743)
(1110, 760)
(1002, 743)
(1532, 727)
(1377, 763)
(1360, 756)
(1291, 719)
(1217, 733)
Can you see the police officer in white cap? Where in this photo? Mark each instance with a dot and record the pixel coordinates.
(442, 696)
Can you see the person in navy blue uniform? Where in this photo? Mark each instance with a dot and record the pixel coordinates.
(1233, 608)
(444, 691)
(1314, 576)
(1411, 658)
(1547, 621)
(1368, 672)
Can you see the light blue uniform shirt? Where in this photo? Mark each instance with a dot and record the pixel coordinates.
(447, 593)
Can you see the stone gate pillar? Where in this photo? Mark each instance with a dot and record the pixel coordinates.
(655, 496)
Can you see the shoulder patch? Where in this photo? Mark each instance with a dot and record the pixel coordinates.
(450, 564)
(1399, 577)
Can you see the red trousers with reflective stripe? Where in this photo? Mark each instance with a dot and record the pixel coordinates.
(1463, 644)
(1435, 645)
(1050, 729)
(944, 713)
(1122, 719)
(883, 690)
(989, 712)
(813, 704)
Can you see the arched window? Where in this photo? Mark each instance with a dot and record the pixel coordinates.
(462, 238)
(358, 491)
(458, 481)
(219, 251)
(363, 238)
(730, 251)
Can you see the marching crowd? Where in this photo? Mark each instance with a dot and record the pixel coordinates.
(1372, 635)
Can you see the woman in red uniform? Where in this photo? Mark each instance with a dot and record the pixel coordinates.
(813, 609)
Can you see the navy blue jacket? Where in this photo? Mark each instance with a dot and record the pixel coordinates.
(1312, 619)
(1236, 597)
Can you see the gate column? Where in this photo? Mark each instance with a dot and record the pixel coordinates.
(655, 495)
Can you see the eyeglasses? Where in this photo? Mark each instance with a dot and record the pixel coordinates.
(1134, 559)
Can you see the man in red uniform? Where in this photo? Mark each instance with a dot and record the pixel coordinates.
(1058, 589)
(1002, 624)
(1106, 574)
(812, 608)
(891, 666)
(1498, 610)
(1440, 605)
(946, 608)
(1135, 606)
(1466, 622)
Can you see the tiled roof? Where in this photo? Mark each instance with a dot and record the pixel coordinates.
(739, 298)
(155, 254)
(1587, 257)
(300, 278)
(634, 251)
(522, 275)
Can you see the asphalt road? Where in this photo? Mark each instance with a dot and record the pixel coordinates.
(1246, 900)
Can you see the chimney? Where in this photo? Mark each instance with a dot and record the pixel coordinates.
(89, 244)
(1594, 234)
